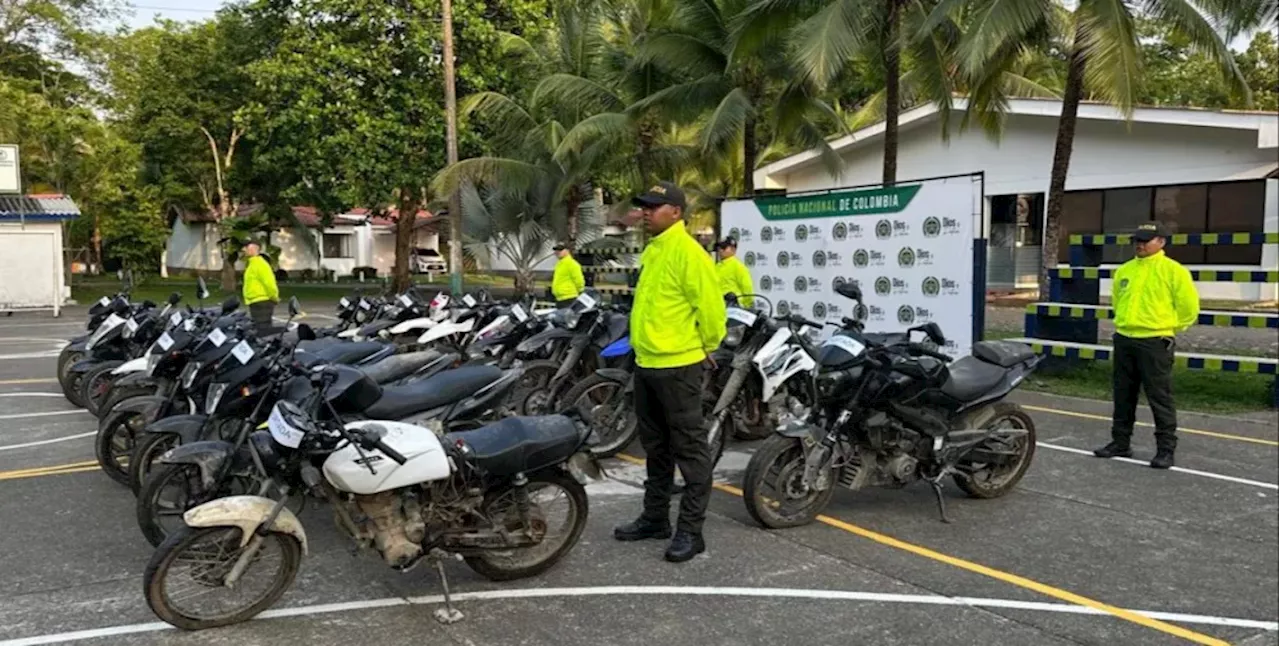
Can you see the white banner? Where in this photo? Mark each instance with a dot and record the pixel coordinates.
(10, 180)
(908, 247)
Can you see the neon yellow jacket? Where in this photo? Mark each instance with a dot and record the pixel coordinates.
(1153, 297)
(735, 279)
(259, 282)
(678, 316)
(567, 281)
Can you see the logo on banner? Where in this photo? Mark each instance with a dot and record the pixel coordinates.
(951, 347)
(884, 230)
(784, 259)
(741, 235)
(819, 311)
(840, 280)
(769, 283)
(840, 231)
(930, 286)
(932, 227)
(906, 315)
(766, 234)
(860, 312)
(802, 284)
(819, 258)
(749, 259)
(883, 286)
(901, 228)
(907, 258)
(735, 233)
(861, 258)
(924, 257)
(875, 313)
(831, 310)
(900, 286)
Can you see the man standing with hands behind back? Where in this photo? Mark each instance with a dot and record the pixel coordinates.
(677, 321)
(567, 280)
(260, 291)
(1154, 298)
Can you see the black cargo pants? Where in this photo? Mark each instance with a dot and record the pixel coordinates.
(669, 410)
(261, 313)
(1143, 365)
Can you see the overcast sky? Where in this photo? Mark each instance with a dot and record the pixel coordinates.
(144, 11)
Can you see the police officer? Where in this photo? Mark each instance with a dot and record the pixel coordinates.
(567, 281)
(677, 321)
(1154, 298)
(734, 276)
(260, 291)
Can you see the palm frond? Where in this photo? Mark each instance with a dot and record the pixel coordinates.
(575, 91)
(680, 53)
(1108, 39)
(684, 102)
(611, 127)
(498, 110)
(512, 173)
(826, 41)
(725, 122)
(997, 23)
(1187, 20)
(764, 22)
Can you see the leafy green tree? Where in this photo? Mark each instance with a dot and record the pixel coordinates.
(1175, 74)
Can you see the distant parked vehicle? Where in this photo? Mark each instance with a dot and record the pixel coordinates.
(428, 261)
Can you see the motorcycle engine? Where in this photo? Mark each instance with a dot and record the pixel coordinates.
(392, 521)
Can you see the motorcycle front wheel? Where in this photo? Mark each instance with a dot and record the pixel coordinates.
(72, 386)
(534, 387)
(609, 410)
(547, 491)
(773, 485)
(94, 388)
(147, 449)
(184, 585)
(66, 359)
(173, 489)
(116, 440)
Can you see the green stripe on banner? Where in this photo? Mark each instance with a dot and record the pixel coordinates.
(1255, 322)
(1272, 276)
(1179, 238)
(1055, 310)
(1208, 238)
(1241, 238)
(1240, 276)
(1078, 239)
(1213, 364)
(1271, 238)
(1077, 313)
(1058, 350)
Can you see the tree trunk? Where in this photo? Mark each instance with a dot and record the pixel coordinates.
(644, 150)
(228, 279)
(451, 148)
(572, 204)
(892, 91)
(97, 245)
(749, 156)
(408, 207)
(1061, 163)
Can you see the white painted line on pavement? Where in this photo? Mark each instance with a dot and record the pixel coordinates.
(32, 395)
(539, 593)
(43, 442)
(30, 355)
(44, 414)
(1194, 472)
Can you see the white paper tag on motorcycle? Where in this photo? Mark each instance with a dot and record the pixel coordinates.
(283, 433)
(846, 343)
(165, 341)
(742, 316)
(364, 305)
(111, 322)
(130, 326)
(188, 325)
(243, 352)
(469, 300)
(406, 301)
(519, 313)
(104, 301)
(175, 319)
(217, 337)
(439, 301)
(344, 303)
(586, 300)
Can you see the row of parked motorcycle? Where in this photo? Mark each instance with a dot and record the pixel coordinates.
(468, 427)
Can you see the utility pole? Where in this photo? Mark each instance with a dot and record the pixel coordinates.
(451, 150)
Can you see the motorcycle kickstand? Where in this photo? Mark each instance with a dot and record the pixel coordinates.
(936, 484)
(448, 614)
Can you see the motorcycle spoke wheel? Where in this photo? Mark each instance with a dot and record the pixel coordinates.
(557, 517)
(774, 489)
(992, 480)
(608, 412)
(116, 442)
(174, 489)
(184, 582)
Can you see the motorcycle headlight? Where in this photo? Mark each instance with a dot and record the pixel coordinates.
(189, 373)
(153, 360)
(571, 319)
(213, 397)
(733, 336)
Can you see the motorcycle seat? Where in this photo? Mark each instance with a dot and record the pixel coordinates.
(398, 366)
(519, 444)
(351, 352)
(971, 378)
(315, 345)
(1005, 354)
(399, 402)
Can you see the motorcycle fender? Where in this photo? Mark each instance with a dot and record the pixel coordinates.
(81, 367)
(186, 427)
(208, 456)
(78, 345)
(135, 379)
(808, 434)
(615, 374)
(131, 366)
(247, 513)
(148, 405)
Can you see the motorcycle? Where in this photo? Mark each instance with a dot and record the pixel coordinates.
(410, 494)
(889, 411)
(591, 328)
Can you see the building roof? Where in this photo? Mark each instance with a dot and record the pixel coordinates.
(1265, 124)
(309, 216)
(49, 207)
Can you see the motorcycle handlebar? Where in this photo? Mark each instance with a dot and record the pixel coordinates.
(377, 443)
(800, 320)
(916, 347)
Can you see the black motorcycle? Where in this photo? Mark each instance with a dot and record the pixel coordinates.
(890, 411)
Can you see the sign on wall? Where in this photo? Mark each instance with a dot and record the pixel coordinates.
(9, 177)
(908, 247)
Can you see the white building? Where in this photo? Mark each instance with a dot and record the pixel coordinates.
(1196, 170)
(353, 239)
(32, 275)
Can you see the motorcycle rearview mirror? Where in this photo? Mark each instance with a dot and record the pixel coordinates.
(294, 307)
(305, 333)
(175, 298)
(850, 290)
(202, 289)
(230, 305)
(934, 332)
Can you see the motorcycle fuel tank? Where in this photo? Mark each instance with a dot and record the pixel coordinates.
(425, 461)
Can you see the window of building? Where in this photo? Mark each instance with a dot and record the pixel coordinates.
(337, 245)
(1183, 209)
(1237, 207)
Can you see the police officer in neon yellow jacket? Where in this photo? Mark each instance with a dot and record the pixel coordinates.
(734, 276)
(1154, 299)
(677, 321)
(567, 280)
(260, 292)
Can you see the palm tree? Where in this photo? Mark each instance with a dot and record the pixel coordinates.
(1103, 59)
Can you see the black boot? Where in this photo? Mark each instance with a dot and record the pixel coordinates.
(1163, 459)
(685, 546)
(642, 528)
(1115, 449)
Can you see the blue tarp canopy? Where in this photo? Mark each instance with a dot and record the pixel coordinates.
(37, 208)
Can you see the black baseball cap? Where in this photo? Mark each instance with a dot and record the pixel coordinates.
(659, 194)
(1149, 231)
(726, 243)
(559, 247)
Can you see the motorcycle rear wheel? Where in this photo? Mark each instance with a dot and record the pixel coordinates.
(148, 448)
(115, 442)
(523, 562)
(94, 388)
(535, 381)
(71, 386)
(787, 453)
(165, 566)
(184, 480)
(995, 481)
(66, 359)
(620, 432)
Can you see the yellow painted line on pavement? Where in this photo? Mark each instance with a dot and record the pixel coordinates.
(1192, 431)
(1007, 577)
(55, 470)
(15, 382)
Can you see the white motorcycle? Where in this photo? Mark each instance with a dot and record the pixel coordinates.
(508, 499)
